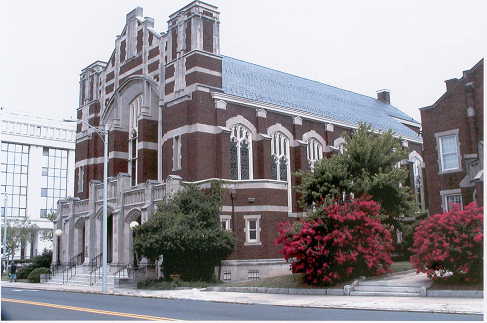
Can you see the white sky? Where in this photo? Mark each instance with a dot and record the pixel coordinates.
(409, 47)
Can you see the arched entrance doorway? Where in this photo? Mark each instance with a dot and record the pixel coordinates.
(109, 233)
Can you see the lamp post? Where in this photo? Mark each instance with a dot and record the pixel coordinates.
(5, 196)
(103, 133)
(133, 225)
(58, 233)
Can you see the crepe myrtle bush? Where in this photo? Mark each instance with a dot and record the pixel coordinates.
(342, 241)
(450, 244)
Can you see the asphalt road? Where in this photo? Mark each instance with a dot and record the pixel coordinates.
(30, 304)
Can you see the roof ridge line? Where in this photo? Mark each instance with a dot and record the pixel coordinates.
(304, 78)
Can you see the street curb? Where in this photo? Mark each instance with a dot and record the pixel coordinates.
(324, 306)
(455, 293)
(337, 291)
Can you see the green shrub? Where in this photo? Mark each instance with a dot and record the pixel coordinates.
(43, 260)
(35, 275)
(24, 272)
(187, 232)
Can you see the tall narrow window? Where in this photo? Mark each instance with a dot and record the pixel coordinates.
(252, 229)
(314, 152)
(176, 153)
(240, 153)
(449, 152)
(280, 156)
(133, 159)
(134, 109)
(451, 200)
(81, 174)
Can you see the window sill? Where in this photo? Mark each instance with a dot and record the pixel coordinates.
(257, 243)
(450, 171)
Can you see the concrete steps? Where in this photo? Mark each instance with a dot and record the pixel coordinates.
(405, 284)
(82, 278)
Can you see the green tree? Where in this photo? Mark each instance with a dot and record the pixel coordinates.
(18, 232)
(368, 166)
(186, 231)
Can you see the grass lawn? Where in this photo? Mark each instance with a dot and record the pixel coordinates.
(286, 281)
(296, 280)
(401, 266)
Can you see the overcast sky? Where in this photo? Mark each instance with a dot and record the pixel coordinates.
(409, 47)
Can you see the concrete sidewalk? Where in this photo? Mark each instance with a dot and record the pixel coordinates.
(411, 304)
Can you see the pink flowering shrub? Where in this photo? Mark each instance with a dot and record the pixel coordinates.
(344, 241)
(450, 243)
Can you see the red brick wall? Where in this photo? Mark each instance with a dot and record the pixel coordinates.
(450, 112)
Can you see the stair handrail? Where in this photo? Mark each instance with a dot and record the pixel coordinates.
(95, 264)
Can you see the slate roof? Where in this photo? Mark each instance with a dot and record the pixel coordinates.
(263, 84)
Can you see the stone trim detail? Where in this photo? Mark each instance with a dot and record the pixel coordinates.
(100, 160)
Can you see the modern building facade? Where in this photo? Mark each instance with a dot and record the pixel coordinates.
(180, 111)
(36, 170)
(453, 135)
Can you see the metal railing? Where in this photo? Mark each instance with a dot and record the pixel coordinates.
(79, 258)
(95, 269)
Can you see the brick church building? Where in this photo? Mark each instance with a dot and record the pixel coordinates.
(453, 132)
(180, 111)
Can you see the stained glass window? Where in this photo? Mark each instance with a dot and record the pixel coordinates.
(240, 152)
(274, 167)
(233, 160)
(283, 168)
(244, 160)
(314, 152)
(134, 108)
(280, 156)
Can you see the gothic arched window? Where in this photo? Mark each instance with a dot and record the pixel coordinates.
(280, 156)
(134, 111)
(240, 152)
(314, 152)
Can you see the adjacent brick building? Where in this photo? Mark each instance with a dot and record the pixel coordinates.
(453, 142)
(178, 110)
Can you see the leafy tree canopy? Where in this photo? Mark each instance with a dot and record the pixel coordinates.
(18, 232)
(368, 166)
(186, 231)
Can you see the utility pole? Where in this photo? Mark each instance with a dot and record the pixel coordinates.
(5, 196)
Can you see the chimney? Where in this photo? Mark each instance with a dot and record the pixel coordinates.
(384, 96)
(451, 83)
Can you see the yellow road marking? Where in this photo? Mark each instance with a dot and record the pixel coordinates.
(89, 310)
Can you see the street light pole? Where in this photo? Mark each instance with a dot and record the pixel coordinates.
(103, 131)
(5, 196)
(105, 206)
